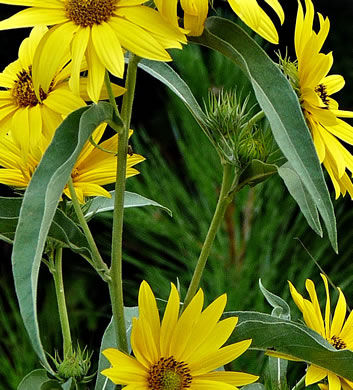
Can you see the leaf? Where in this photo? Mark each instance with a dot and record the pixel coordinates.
(33, 380)
(39, 206)
(255, 173)
(280, 306)
(277, 367)
(51, 384)
(298, 191)
(281, 106)
(164, 73)
(291, 339)
(101, 204)
(109, 341)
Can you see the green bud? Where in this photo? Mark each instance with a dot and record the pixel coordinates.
(235, 131)
(75, 365)
(290, 69)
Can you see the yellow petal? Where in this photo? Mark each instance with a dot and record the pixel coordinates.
(78, 49)
(54, 46)
(30, 17)
(108, 49)
(219, 358)
(170, 319)
(230, 377)
(96, 73)
(339, 315)
(148, 308)
(334, 382)
(183, 328)
(314, 374)
(138, 41)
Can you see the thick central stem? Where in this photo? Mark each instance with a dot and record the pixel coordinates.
(223, 201)
(60, 297)
(116, 282)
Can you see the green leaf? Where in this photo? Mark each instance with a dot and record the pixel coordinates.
(109, 341)
(164, 73)
(101, 204)
(291, 339)
(51, 384)
(255, 173)
(298, 191)
(39, 206)
(33, 380)
(67, 385)
(281, 106)
(280, 306)
(277, 367)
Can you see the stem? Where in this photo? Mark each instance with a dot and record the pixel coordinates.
(98, 262)
(116, 282)
(223, 200)
(299, 384)
(60, 297)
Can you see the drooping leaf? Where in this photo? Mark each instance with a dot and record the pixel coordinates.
(301, 195)
(39, 206)
(51, 384)
(280, 306)
(33, 380)
(255, 173)
(277, 367)
(288, 338)
(109, 341)
(101, 204)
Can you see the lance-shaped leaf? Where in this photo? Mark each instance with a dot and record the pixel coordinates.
(39, 205)
(109, 341)
(298, 191)
(63, 229)
(281, 106)
(288, 338)
(100, 204)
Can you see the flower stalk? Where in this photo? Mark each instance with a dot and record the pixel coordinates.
(56, 270)
(98, 262)
(225, 197)
(116, 282)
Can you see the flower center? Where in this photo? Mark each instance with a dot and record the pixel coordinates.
(337, 342)
(168, 374)
(23, 91)
(321, 90)
(89, 12)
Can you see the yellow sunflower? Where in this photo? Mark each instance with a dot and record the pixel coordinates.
(97, 30)
(28, 114)
(337, 331)
(21, 110)
(321, 111)
(93, 169)
(249, 11)
(181, 352)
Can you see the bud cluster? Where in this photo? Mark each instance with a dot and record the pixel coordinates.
(234, 130)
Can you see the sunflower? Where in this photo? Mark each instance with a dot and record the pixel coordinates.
(337, 331)
(249, 11)
(94, 167)
(315, 87)
(181, 352)
(21, 110)
(97, 30)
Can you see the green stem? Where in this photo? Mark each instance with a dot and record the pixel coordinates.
(98, 262)
(299, 384)
(223, 201)
(116, 282)
(60, 297)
